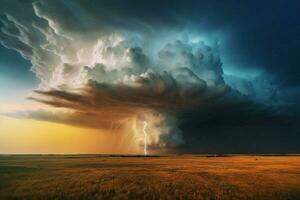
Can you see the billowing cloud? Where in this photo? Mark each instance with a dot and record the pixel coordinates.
(131, 85)
(104, 72)
(109, 66)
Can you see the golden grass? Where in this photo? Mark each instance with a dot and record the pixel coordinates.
(171, 177)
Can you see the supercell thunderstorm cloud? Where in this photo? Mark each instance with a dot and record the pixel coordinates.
(104, 66)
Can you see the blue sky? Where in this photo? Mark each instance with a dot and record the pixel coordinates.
(16, 79)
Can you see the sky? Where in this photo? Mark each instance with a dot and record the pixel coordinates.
(174, 76)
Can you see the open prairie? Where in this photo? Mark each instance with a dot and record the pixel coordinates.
(163, 177)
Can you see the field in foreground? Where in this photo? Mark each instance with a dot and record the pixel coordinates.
(170, 177)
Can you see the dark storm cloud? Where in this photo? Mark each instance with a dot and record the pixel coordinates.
(185, 79)
(263, 34)
(160, 92)
(104, 103)
(236, 124)
(267, 36)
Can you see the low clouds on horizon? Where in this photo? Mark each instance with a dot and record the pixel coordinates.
(108, 65)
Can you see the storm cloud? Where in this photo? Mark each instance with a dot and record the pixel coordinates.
(180, 68)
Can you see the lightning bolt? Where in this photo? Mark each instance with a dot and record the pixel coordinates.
(145, 137)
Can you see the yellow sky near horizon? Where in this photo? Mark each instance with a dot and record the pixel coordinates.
(26, 136)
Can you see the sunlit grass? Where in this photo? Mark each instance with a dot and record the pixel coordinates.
(172, 177)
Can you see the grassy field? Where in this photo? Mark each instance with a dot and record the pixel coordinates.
(169, 177)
